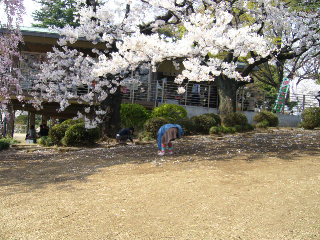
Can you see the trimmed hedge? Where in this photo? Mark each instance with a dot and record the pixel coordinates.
(71, 133)
(263, 124)
(235, 118)
(265, 115)
(222, 129)
(236, 128)
(154, 124)
(187, 125)
(57, 132)
(133, 115)
(310, 118)
(203, 123)
(4, 144)
(78, 135)
(170, 111)
(145, 136)
(45, 141)
(215, 116)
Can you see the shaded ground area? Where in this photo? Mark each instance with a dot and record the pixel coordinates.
(261, 185)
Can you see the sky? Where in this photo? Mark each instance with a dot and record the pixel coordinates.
(30, 6)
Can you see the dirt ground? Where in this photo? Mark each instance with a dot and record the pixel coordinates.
(261, 185)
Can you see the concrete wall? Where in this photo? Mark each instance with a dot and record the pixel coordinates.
(196, 110)
(285, 120)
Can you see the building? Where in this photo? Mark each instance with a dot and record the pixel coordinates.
(149, 89)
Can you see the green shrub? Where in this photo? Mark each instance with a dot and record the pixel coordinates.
(4, 144)
(152, 125)
(310, 118)
(235, 118)
(215, 116)
(71, 122)
(170, 111)
(78, 135)
(248, 127)
(214, 130)
(133, 115)
(236, 128)
(221, 129)
(268, 116)
(263, 124)
(226, 130)
(45, 141)
(57, 132)
(203, 123)
(12, 140)
(145, 136)
(239, 128)
(187, 125)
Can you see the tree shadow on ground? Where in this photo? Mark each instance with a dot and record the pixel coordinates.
(23, 171)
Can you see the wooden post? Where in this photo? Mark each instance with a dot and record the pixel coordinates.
(53, 121)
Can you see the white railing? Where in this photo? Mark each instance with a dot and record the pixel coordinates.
(162, 91)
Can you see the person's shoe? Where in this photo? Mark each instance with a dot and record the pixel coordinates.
(161, 153)
(170, 152)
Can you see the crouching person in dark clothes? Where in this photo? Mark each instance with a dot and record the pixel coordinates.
(124, 134)
(166, 134)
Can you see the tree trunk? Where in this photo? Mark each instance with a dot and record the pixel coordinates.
(10, 121)
(111, 120)
(227, 90)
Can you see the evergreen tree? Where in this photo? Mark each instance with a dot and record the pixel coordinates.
(57, 13)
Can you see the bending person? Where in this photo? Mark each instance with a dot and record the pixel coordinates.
(166, 134)
(124, 134)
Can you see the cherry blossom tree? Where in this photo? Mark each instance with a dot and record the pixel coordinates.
(10, 37)
(211, 39)
(298, 69)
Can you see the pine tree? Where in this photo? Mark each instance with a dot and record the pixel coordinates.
(58, 13)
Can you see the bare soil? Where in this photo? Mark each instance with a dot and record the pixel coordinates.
(261, 185)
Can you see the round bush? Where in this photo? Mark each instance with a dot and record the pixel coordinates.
(133, 115)
(45, 141)
(214, 130)
(263, 124)
(203, 123)
(236, 128)
(78, 135)
(187, 125)
(228, 129)
(170, 111)
(248, 127)
(215, 116)
(239, 128)
(70, 122)
(57, 132)
(153, 125)
(268, 116)
(235, 118)
(4, 144)
(310, 118)
(145, 136)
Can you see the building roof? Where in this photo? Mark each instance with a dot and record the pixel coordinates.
(39, 32)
